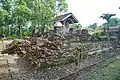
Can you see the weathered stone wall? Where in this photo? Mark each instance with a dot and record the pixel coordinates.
(83, 68)
(73, 59)
(99, 53)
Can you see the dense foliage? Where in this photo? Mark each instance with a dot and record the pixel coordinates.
(111, 21)
(21, 17)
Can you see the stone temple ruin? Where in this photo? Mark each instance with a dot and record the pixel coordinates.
(56, 55)
(65, 20)
(65, 30)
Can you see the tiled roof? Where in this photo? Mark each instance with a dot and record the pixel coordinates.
(65, 16)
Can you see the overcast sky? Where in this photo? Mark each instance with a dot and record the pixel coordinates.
(88, 11)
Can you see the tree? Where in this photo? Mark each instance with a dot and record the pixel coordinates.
(61, 6)
(107, 17)
(39, 13)
(46, 10)
(76, 25)
(112, 22)
(5, 6)
(21, 15)
(3, 15)
(93, 26)
(43, 11)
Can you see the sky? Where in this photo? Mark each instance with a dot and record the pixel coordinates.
(88, 11)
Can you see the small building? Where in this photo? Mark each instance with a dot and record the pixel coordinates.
(65, 20)
(113, 31)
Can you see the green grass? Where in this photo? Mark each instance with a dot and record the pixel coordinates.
(110, 72)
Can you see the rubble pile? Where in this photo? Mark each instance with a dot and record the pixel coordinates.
(35, 51)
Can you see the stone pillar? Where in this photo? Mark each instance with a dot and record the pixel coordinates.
(65, 27)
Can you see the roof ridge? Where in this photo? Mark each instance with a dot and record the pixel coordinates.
(64, 16)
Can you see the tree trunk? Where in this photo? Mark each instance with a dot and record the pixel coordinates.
(12, 31)
(108, 30)
(8, 29)
(42, 31)
(20, 32)
(2, 30)
(33, 32)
